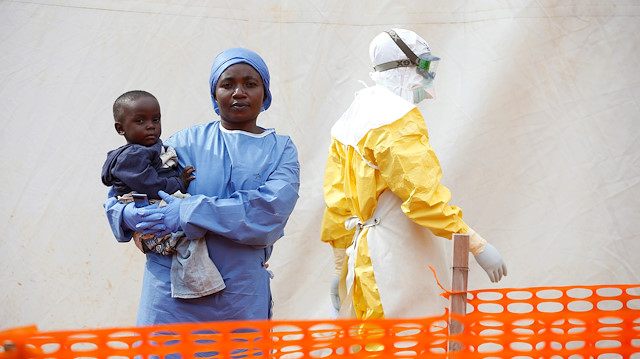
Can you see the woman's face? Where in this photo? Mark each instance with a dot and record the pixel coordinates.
(240, 94)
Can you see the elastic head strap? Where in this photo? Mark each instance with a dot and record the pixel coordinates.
(407, 51)
(413, 60)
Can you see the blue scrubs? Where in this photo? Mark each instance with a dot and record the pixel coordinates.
(246, 187)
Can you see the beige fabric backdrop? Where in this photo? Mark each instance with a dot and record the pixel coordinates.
(536, 126)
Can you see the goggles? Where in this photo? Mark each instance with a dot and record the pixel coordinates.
(426, 63)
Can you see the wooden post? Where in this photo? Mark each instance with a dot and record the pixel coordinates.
(459, 284)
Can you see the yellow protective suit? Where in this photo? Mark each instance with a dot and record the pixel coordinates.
(382, 170)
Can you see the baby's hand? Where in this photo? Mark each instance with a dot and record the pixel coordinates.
(186, 176)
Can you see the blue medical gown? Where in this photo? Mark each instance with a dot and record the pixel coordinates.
(246, 187)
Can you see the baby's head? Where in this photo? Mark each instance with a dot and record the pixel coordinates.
(137, 117)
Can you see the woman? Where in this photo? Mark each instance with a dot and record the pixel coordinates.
(246, 186)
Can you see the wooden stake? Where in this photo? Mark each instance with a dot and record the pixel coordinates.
(459, 284)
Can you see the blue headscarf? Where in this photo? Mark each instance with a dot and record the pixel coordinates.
(234, 56)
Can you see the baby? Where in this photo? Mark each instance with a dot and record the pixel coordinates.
(144, 165)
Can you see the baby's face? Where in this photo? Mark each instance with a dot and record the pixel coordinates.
(140, 122)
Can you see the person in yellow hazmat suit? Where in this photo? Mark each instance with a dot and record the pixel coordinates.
(386, 207)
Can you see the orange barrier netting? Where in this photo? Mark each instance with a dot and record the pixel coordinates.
(545, 322)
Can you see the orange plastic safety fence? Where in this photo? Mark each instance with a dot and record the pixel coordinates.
(553, 322)
(550, 322)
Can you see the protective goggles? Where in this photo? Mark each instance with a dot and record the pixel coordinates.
(426, 63)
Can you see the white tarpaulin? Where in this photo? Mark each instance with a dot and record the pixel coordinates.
(536, 126)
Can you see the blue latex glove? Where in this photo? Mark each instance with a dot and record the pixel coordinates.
(170, 213)
(491, 261)
(139, 219)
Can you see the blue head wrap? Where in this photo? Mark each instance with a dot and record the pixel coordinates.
(235, 56)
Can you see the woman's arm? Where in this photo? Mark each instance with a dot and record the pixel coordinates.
(252, 217)
(124, 216)
(113, 209)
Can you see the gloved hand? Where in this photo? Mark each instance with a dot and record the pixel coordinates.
(139, 219)
(334, 292)
(339, 256)
(171, 214)
(492, 263)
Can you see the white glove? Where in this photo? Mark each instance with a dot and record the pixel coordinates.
(335, 293)
(339, 256)
(492, 263)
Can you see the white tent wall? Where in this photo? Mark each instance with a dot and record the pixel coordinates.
(536, 127)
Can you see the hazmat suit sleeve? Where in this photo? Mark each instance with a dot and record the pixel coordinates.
(251, 217)
(412, 171)
(336, 212)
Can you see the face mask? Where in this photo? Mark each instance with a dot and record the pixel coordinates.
(425, 91)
